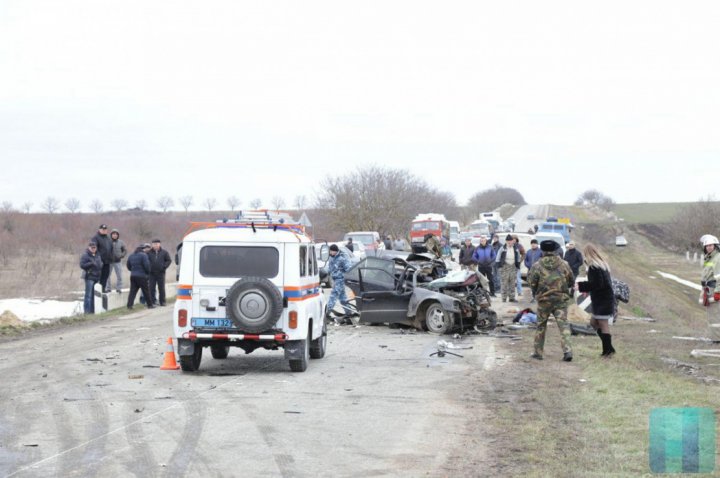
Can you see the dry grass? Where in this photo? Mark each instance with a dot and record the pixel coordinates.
(553, 424)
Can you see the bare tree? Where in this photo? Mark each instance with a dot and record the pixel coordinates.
(165, 203)
(491, 199)
(300, 201)
(593, 197)
(691, 222)
(278, 202)
(50, 205)
(96, 206)
(186, 202)
(141, 204)
(210, 203)
(256, 203)
(379, 199)
(7, 206)
(72, 205)
(233, 202)
(119, 204)
(27, 207)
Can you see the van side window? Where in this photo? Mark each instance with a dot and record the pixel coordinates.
(303, 261)
(313, 261)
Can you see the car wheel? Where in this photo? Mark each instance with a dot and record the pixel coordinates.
(300, 365)
(254, 304)
(191, 363)
(487, 320)
(437, 320)
(318, 346)
(220, 351)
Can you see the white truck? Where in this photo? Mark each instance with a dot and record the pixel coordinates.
(249, 283)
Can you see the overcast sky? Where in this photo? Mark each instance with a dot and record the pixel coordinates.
(139, 99)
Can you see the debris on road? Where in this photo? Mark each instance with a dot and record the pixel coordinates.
(136, 377)
(638, 319)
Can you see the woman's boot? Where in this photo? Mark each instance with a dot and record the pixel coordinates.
(611, 350)
(602, 339)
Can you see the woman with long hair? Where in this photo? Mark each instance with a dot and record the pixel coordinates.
(599, 285)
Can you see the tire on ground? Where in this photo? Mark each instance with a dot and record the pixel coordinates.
(254, 304)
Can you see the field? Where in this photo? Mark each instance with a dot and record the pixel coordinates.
(647, 213)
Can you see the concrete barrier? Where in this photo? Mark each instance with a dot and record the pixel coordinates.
(112, 300)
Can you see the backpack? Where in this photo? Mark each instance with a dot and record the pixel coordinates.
(621, 290)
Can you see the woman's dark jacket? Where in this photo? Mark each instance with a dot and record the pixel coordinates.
(599, 284)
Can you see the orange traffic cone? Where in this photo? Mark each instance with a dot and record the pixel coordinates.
(169, 362)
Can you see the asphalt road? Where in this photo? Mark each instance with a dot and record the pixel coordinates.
(522, 223)
(90, 400)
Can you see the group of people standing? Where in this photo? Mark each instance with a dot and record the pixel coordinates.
(147, 266)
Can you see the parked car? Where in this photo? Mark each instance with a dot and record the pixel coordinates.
(367, 238)
(620, 241)
(524, 239)
(531, 217)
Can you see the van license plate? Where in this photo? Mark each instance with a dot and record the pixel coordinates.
(217, 323)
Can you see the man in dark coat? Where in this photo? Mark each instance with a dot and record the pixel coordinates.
(466, 256)
(105, 251)
(139, 266)
(484, 255)
(574, 258)
(159, 262)
(91, 264)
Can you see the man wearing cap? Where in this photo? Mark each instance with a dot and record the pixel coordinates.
(91, 264)
(139, 266)
(484, 256)
(159, 262)
(466, 256)
(105, 251)
(551, 281)
(574, 258)
(508, 261)
(338, 265)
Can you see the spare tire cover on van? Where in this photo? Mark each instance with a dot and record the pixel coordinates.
(254, 304)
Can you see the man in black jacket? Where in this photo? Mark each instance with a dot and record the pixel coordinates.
(466, 256)
(105, 251)
(159, 262)
(574, 258)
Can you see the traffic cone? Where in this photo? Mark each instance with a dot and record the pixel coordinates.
(169, 362)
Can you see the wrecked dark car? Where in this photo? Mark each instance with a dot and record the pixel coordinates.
(417, 291)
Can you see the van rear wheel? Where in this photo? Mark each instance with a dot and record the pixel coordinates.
(300, 365)
(191, 363)
(220, 352)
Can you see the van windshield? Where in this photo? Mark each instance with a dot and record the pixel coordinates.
(366, 239)
(238, 261)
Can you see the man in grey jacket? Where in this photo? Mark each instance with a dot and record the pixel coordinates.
(119, 251)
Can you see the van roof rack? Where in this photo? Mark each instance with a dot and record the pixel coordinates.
(257, 219)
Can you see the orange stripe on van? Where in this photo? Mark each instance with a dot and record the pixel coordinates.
(303, 287)
(300, 299)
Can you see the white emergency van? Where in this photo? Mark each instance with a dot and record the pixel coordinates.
(250, 283)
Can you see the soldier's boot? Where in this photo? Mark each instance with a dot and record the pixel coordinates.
(567, 357)
(537, 356)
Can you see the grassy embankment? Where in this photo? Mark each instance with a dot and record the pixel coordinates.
(590, 417)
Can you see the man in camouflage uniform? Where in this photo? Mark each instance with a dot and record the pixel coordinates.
(433, 246)
(550, 279)
(338, 265)
(508, 261)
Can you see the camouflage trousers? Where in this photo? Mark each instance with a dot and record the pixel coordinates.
(545, 309)
(338, 293)
(508, 275)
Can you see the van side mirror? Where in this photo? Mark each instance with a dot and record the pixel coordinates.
(324, 252)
